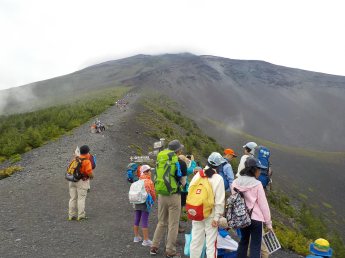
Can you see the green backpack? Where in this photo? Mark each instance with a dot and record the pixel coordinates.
(165, 181)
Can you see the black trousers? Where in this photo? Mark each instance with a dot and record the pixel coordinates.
(253, 232)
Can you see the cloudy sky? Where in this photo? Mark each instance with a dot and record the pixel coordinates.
(41, 39)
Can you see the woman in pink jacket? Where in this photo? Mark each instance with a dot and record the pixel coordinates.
(256, 201)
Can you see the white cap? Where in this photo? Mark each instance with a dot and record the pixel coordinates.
(215, 159)
(251, 146)
(144, 168)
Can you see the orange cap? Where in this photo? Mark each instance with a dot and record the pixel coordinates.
(230, 151)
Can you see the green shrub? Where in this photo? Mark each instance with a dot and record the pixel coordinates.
(15, 158)
(281, 202)
(9, 171)
(291, 239)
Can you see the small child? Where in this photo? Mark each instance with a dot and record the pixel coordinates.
(142, 210)
(320, 249)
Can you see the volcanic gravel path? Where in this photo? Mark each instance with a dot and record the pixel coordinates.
(34, 202)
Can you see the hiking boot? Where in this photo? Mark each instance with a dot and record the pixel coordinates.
(172, 255)
(82, 218)
(147, 243)
(153, 250)
(72, 218)
(137, 239)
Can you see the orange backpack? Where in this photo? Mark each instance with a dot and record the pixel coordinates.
(200, 199)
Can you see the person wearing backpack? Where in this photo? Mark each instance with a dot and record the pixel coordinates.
(225, 170)
(168, 182)
(207, 227)
(249, 149)
(78, 190)
(142, 210)
(263, 154)
(256, 202)
(132, 172)
(190, 165)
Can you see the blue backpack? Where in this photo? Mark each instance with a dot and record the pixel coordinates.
(132, 172)
(221, 173)
(263, 154)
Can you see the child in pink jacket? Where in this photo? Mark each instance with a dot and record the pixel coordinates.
(256, 201)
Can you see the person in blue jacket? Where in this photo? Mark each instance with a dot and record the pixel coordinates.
(225, 170)
(320, 248)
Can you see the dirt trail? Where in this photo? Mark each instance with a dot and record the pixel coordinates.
(34, 203)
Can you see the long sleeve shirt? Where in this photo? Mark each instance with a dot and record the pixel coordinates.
(217, 184)
(255, 198)
(228, 174)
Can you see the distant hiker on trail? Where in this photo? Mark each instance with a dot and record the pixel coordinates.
(225, 170)
(168, 181)
(248, 149)
(206, 219)
(99, 126)
(189, 168)
(78, 190)
(142, 210)
(256, 202)
(320, 248)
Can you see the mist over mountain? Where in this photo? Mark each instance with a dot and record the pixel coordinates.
(283, 105)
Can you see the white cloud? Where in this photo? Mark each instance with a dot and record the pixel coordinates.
(42, 39)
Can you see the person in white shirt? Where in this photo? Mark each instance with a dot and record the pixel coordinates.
(248, 149)
(209, 226)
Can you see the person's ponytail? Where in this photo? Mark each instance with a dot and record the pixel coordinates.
(209, 172)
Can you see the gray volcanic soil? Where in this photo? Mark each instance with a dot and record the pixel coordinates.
(34, 202)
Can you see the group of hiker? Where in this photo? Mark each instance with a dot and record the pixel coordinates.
(215, 182)
(215, 200)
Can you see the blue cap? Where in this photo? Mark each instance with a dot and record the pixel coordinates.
(253, 162)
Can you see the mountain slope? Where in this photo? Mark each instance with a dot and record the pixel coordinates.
(287, 106)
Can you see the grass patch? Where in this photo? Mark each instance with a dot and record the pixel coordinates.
(15, 158)
(138, 149)
(281, 202)
(303, 227)
(327, 205)
(303, 196)
(9, 171)
(291, 239)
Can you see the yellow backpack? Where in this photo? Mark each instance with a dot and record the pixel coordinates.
(200, 199)
(73, 173)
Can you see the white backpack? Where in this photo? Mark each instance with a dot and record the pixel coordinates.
(137, 193)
